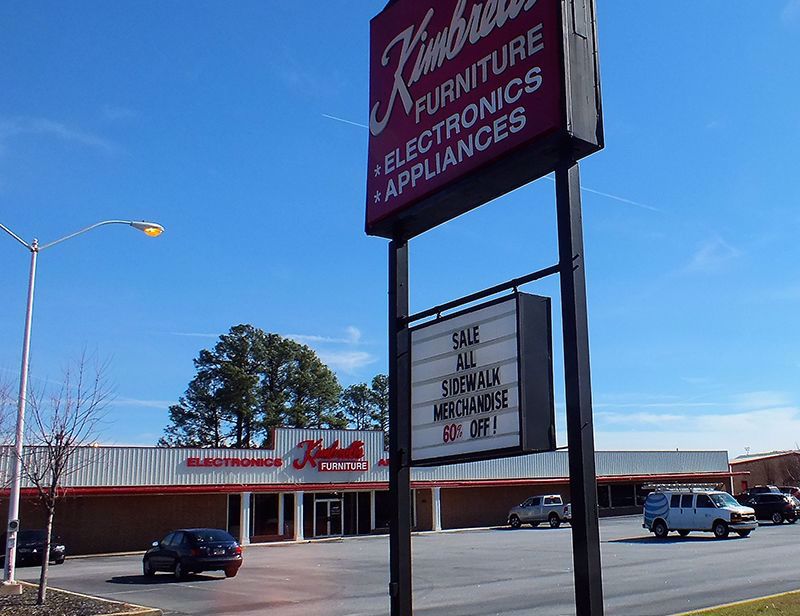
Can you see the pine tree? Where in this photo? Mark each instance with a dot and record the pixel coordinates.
(248, 384)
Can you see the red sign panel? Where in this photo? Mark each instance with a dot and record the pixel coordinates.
(454, 85)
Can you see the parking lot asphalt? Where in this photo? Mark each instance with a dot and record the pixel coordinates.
(471, 573)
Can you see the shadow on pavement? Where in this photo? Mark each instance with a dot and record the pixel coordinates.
(709, 538)
(140, 580)
(544, 527)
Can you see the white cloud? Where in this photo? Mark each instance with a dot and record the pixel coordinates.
(331, 117)
(348, 362)
(12, 127)
(640, 419)
(791, 12)
(137, 402)
(712, 255)
(759, 430)
(114, 113)
(353, 336)
(789, 293)
(656, 405)
(762, 400)
(194, 334)
(586, 189)
(761, 420)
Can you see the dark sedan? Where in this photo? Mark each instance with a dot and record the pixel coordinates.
(30, 547)
(193, 550)
(772, 506)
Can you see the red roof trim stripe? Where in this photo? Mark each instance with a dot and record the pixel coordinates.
(355, 487)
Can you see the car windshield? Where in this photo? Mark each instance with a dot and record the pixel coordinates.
(211, 535)
(723, 499)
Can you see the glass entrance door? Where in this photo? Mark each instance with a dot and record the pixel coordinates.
(327, 517)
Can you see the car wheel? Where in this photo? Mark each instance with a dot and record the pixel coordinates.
(231, 572)
(720, 529)
(180, 572)
(59, 561)
(514, 521)
(534, 524)
(554, 520)
(743, 533)
(147, 568)
(683, 533)
(777, 518)
(660, 529)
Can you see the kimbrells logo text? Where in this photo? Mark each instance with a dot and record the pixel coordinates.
(434, 49)
(453, 87)
(333, 458)
(211, 462)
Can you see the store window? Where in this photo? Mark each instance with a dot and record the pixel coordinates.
(288, 515)
(356, 513)
(622, 495)
(383, 509)
(603, 498)
(265, 515)
(234, 508)
(641, 494)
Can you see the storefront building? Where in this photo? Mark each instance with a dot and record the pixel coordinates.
(779, 468)
(322, 483)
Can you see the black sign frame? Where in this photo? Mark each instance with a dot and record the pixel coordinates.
(580, 133)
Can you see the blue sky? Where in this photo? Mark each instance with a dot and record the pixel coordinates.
(218, 121)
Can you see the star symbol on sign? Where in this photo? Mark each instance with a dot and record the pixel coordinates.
(377, 196)
(377, 170)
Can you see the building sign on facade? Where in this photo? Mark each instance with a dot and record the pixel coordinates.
(482, 382)
(333, 458)
(227, 462)
(338, 454)
(468, 100)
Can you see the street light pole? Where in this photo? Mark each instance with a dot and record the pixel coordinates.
(148, 228)
(13, 501)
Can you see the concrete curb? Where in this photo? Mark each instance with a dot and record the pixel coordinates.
(138, 610)
(735, 603)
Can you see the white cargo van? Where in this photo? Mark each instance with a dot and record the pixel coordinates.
(688, 509)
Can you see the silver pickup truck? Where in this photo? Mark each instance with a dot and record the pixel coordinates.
(538, 509)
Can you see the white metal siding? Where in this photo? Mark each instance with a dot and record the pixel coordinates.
(154, 466)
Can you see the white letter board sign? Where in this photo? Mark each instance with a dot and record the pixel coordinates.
(482, 383)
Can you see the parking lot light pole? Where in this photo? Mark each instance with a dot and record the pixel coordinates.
(148, 228)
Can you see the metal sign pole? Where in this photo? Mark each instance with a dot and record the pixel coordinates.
(399, 432)
(580, 430)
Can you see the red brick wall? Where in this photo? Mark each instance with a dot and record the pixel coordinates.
(100, 524)
(470, 507)
(779, 471)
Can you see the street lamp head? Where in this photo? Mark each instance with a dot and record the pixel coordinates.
(148, 228)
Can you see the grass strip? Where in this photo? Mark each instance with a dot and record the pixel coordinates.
(783, 604)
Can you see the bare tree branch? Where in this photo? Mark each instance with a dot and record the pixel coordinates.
(62, 421)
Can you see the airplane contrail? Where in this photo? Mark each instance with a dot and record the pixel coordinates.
(547, 177)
